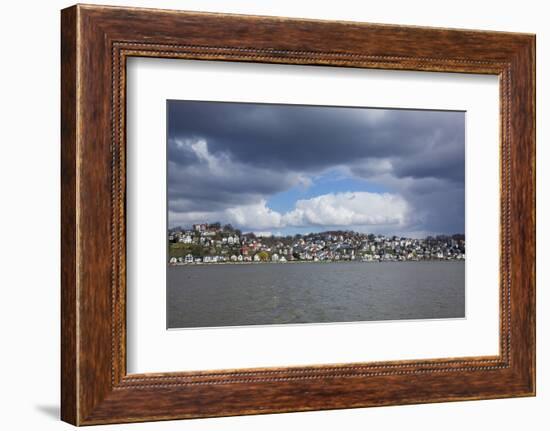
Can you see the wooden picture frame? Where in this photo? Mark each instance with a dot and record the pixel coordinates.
(95, 43)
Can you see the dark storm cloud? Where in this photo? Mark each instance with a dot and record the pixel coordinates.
(265, 134)
(227, 154)
(202, 180)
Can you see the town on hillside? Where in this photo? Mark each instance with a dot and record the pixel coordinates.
(213, 243)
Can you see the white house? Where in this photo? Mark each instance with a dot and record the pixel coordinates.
(186, 239)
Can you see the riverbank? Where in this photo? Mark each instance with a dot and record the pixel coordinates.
(323, 262)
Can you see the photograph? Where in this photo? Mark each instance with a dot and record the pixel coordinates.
(305, 214)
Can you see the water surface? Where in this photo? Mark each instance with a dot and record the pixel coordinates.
(263, 294)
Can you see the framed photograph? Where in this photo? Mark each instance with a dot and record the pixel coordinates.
(265, 214)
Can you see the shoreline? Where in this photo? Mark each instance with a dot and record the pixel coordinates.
(319, 262)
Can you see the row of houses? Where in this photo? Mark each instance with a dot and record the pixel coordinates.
(205, 243)
(190, 259)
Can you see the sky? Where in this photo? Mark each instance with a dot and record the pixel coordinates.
(287, 169)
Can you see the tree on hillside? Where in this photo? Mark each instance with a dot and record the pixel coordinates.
(264, 256)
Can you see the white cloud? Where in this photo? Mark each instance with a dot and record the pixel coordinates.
(349, 209)
(258, 216)
(329, 210)
(251, 216)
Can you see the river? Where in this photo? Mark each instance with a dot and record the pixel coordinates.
(263, 294)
